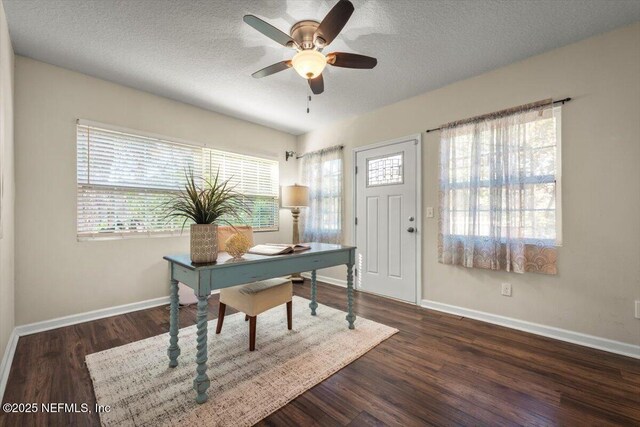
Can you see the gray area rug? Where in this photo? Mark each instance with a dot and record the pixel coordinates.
(142, 390)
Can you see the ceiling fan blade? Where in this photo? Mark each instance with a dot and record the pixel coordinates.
(272, 69)
(269, 30)
(333, 23)
(351, 60)
(317, 85)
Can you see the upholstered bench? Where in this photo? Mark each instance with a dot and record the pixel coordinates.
(255, 298)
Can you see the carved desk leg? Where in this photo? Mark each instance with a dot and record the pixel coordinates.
(201, 382)
(350, 316)
(313, 304)
(174, 349)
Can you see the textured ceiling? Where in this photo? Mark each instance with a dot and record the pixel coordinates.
(202, 53)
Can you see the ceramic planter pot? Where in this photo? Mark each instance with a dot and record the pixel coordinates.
(204, 243)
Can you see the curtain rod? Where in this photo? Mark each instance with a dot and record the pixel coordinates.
(290, 154)
(560, 101)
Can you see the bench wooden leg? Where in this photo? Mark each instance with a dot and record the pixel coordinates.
(289, 316)
(221, 310)
(252, 333)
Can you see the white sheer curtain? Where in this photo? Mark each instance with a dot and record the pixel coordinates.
(322, 171)
(498, 184)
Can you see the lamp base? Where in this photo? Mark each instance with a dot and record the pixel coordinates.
(297, 278)
(295, 212)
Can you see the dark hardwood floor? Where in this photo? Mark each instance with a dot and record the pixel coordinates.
(438, 370)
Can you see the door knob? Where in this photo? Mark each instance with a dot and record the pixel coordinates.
(411, 229)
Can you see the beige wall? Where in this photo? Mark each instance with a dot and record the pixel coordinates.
(7, 318)
(55, 274)
(600, 260)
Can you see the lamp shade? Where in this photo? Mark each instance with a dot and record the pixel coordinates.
(295, 196)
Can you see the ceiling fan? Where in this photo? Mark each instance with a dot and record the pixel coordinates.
(308, 38)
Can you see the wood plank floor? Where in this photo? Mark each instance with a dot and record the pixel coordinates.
(438, 370)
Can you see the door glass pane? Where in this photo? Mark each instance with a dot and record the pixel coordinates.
(385, 170)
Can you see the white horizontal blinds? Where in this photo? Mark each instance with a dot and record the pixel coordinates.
(250, 175)
(119, 159)
(124, 179)
(256, 178)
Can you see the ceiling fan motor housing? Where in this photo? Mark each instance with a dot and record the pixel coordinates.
(303, 33)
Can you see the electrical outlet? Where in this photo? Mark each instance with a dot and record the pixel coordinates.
(637, 309)
(429, 212)
(506, 289)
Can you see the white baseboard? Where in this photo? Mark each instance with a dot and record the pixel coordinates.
(74, 319)
(7, 359)
(326, 279)
(605, 344)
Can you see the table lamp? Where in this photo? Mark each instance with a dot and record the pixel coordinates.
(295, 197)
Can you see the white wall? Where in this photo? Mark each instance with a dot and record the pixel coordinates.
(599, 261)
(55, 274)
(7, 319)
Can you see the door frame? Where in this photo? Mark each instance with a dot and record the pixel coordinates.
(354, 185)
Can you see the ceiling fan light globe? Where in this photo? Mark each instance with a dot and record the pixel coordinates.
(309, 63)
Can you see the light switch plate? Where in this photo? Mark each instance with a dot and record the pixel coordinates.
(429, 212)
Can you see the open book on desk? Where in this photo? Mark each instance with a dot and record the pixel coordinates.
(277, 249)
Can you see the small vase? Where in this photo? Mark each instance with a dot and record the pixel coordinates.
(204, 243)
(237, 245)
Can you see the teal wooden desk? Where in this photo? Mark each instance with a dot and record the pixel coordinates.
(226, 272)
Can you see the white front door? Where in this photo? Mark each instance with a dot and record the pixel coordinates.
(387, 218)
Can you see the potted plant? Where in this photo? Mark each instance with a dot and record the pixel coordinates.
(206, 205)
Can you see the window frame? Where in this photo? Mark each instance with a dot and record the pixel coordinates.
(119, 235)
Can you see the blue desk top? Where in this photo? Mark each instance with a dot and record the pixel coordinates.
(225, 260)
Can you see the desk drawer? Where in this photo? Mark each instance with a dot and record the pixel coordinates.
(240, 274)
(186, 276)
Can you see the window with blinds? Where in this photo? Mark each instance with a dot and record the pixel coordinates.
(123, 180)
(253, 177)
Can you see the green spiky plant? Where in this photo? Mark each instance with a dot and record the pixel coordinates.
(209, 203)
